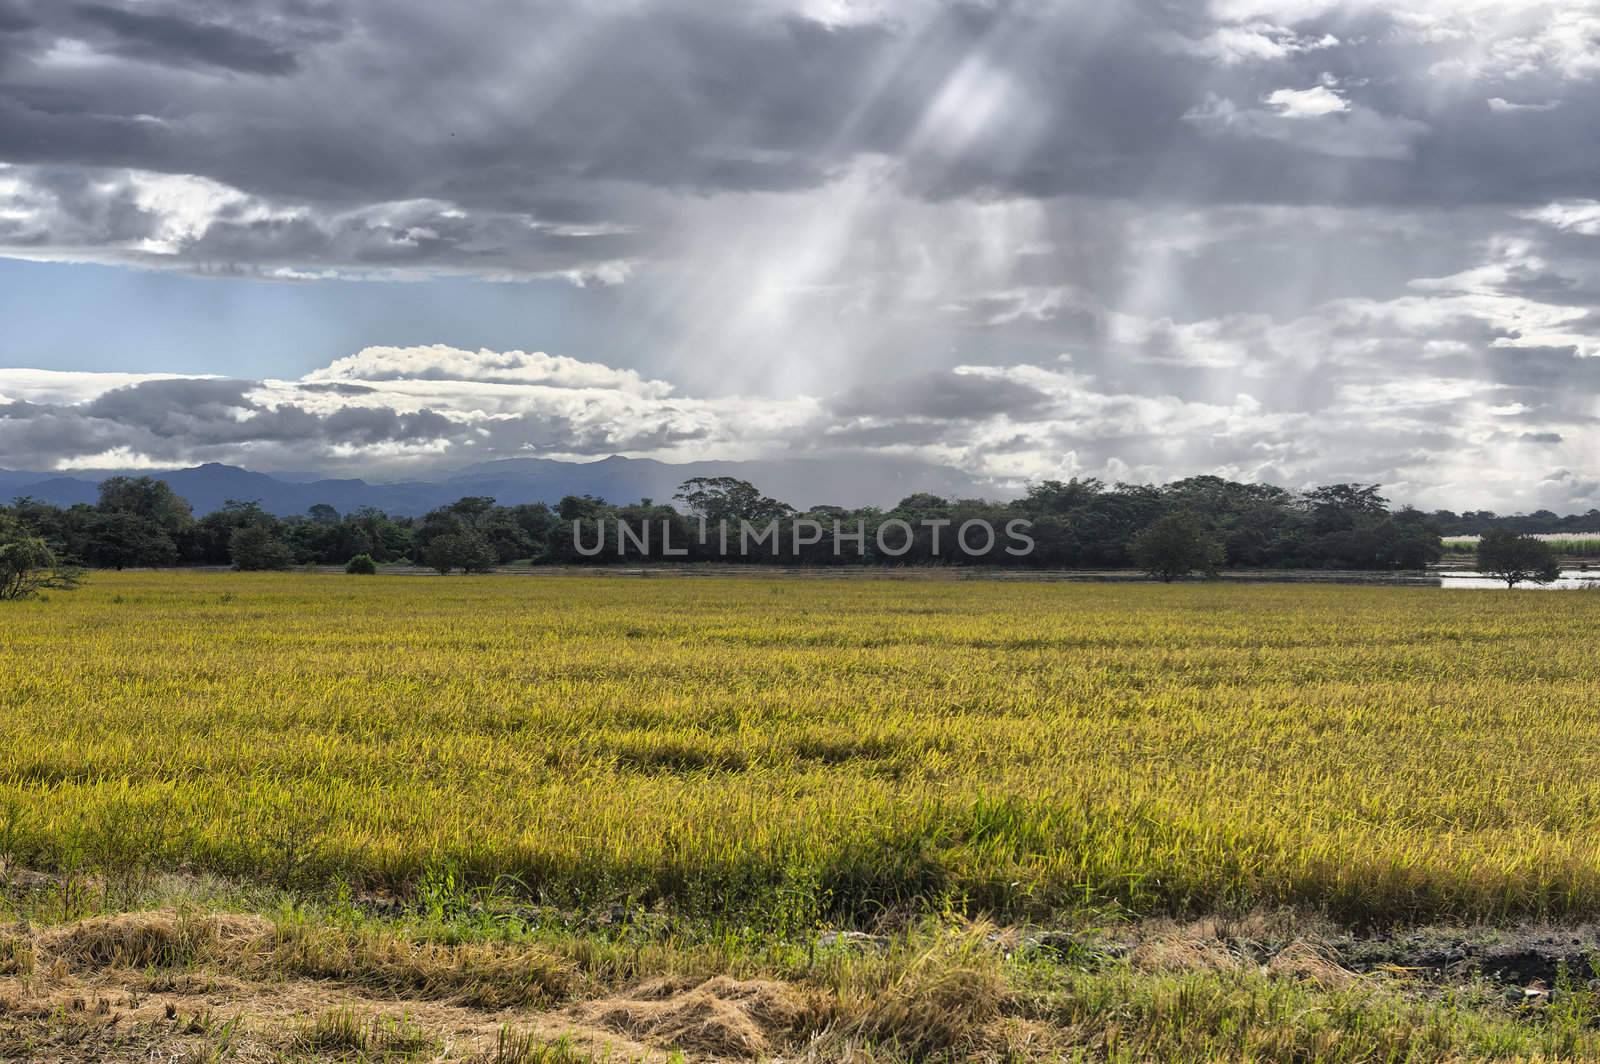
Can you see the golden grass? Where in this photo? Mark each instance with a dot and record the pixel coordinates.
(786, 750)
(720, 1016)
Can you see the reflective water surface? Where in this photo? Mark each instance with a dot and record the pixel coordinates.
(1571, 579)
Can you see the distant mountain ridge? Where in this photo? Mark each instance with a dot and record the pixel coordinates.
(801, 482)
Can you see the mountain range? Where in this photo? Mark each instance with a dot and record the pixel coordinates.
(802, 482)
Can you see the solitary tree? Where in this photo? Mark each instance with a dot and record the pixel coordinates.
(1514, 558)
(28, 567)
(1176, 545)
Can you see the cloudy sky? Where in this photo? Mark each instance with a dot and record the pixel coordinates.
(1297, 241)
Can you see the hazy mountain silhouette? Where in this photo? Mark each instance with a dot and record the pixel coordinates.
(802, 482)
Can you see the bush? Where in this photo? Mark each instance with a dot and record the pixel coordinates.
(361, 565)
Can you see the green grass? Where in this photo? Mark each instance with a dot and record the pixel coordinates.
(1569, 544)
(778, 753)
(347, 1033)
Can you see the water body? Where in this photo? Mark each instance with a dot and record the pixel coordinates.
(1571, 580)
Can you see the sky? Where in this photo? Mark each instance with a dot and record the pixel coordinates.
(1292, 241)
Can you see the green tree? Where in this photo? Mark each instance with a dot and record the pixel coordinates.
(1511, 557)
(581, 508)
(464, 550)
(149, 498)
(1411, 540)
(1176, 545)
(257, 548)
(123, 539)
(437, 524)
(27, 566)
(213, 534)
(1055, 497)
(472, 508)
(730, 499)
(137, 522)
(361, 565)
(1341, 507)
(504, 534)
(539, 526)
(377, 533)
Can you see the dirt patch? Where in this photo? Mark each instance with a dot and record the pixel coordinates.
(181, 986)
(117, 1016)
(720, 1016)
(1520, 955)
(1307, 947)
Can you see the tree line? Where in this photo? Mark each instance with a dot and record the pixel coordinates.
(1081, 523)
(1538, 523)
(1196, 524)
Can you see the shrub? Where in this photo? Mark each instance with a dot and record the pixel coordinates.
(361, 565)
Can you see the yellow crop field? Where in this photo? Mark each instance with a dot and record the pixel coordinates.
(789, 752)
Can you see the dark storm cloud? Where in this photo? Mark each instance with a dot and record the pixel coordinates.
(503, 106)
(943, 397)
(542, 138)
(166, 37)
(174, 407)
(180, 420)
(372, 426)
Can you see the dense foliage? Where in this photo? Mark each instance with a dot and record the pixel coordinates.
(1174, 546)
(141, 522)
(28, 566)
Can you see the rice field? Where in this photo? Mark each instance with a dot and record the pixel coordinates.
(785, 752)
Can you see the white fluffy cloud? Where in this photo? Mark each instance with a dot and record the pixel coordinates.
(1500, 398)
(1577, 216)
(1314, 102)
(437, 362)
